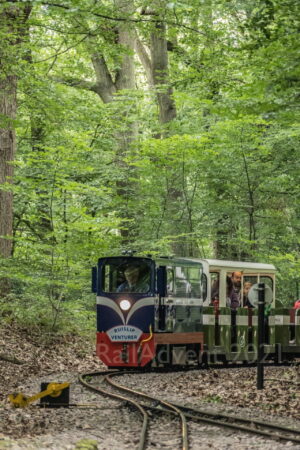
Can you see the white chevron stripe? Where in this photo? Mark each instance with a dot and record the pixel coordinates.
(148, 301)
(105, 301)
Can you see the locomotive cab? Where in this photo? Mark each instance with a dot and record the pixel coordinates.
(125, 289)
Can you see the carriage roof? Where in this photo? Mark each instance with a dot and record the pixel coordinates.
(232, 265)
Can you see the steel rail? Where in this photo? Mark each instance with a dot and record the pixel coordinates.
(143, 412)
(184, 429)
(199, 415)
(250, 429)
(236, 417)
(219, 423)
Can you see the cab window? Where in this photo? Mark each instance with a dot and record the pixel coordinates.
(182, 285)
(188, 282)
(126, 275)
(170, 281)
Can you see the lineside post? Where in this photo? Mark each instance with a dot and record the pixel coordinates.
(261, 335)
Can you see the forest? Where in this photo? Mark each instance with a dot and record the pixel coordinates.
(165, 127)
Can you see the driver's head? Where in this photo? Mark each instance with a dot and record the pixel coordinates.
(132, 274)
(237, 279)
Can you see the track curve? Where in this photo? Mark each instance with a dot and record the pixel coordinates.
(185, 413)
(136, 405)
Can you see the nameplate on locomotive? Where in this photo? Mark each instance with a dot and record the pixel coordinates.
(124, 333)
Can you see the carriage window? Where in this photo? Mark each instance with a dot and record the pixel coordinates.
(267, 280)
(215, 285)
(204, 286)
(248, 282)
(121, 275)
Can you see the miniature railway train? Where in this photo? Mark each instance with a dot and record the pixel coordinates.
(154, 312)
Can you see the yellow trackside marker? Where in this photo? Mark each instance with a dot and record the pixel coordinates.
(20, 400)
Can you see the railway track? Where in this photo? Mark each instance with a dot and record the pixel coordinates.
(147, 405)
(239, 423)
(141, 408)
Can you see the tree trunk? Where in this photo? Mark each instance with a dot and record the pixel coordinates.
(109, 87)
(12, 20)
(157, 72)
(167, 113)
(160, 68)
(8, 107)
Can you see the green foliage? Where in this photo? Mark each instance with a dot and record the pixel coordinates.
(48, 315)
(223, 181)
(213, 399)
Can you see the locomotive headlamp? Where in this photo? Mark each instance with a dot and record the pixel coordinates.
(125, 305)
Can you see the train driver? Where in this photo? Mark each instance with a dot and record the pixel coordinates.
(135, 280)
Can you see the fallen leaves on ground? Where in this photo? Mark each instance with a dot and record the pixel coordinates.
(66, 356)
(237, 387)
(41, 356)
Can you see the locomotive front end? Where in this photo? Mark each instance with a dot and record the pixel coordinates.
(125, 310)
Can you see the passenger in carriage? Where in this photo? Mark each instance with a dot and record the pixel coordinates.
(293, 325)
(234, 284)
(215, 289)
(246, 288)
(297, 304)
(215, 292)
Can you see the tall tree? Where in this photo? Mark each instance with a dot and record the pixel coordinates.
(156, 65)
(13, 18)
(112, 56)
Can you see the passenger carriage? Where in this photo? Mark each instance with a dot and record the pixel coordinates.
(179, 314)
